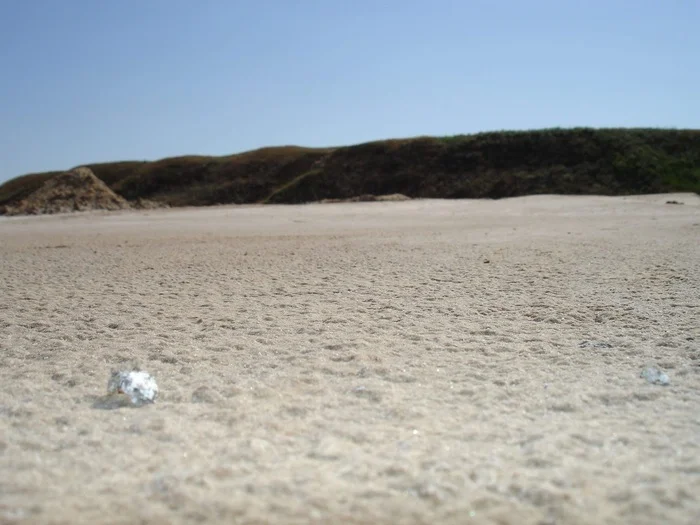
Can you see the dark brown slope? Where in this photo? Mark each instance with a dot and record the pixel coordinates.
(491, 165)
(496, 165)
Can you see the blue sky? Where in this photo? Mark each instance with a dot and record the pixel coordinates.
(99, 80)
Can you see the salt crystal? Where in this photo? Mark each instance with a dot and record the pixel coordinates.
(655, 376)
(139, 386)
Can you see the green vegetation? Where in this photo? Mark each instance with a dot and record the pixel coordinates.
(483, 165)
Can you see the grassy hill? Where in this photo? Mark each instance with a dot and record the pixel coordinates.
(484, 165)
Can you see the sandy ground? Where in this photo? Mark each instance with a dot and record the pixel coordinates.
(411, 362)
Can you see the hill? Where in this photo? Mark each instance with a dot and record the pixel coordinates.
(484, 165)
(75, 190)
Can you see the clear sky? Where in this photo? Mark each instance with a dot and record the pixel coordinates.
(99, 80)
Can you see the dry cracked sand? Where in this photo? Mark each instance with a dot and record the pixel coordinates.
(401, 362)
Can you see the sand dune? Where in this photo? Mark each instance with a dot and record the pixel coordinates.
(396, 362)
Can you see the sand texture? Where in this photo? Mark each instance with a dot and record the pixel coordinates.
(389, 362)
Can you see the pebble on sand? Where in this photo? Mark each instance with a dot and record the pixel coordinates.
(128, 388)
(655, 376)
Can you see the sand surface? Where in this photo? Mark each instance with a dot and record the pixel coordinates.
(411, 362)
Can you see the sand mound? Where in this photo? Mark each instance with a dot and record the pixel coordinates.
(75, 190)
(147, 204)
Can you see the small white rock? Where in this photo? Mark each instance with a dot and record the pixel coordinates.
(655, 376)
(140, 386)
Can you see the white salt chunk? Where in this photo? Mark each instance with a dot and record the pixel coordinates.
(140, 386)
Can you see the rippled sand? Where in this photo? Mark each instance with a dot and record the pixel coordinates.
(408, 362)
